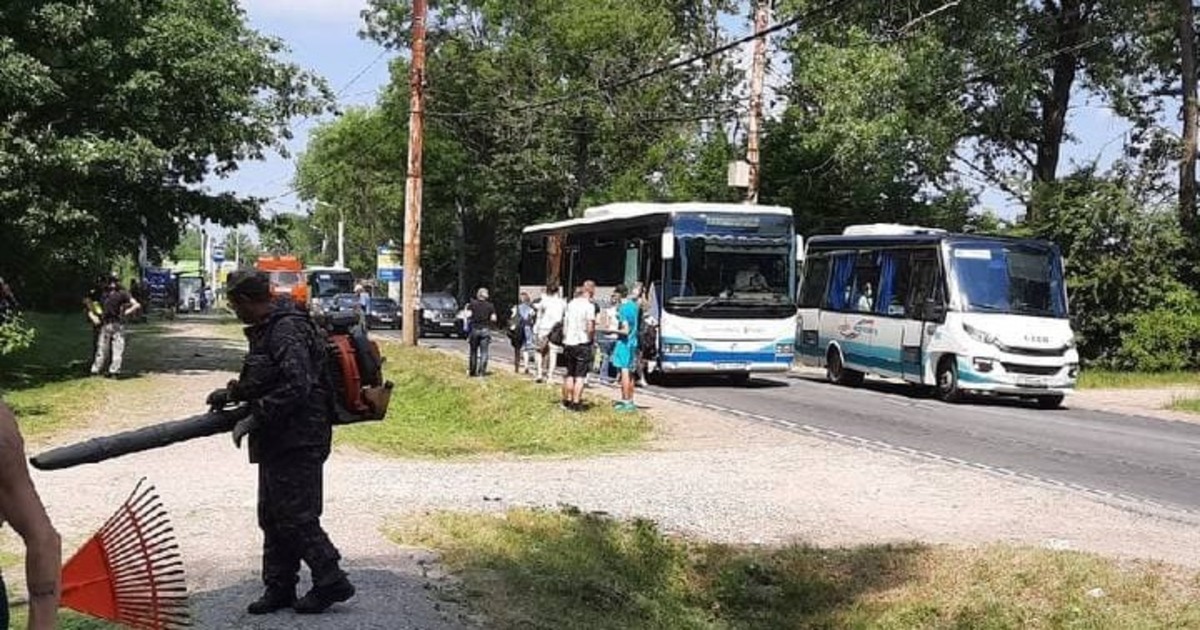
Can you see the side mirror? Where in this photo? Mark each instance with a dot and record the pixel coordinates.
(799, 248)
(668, 244)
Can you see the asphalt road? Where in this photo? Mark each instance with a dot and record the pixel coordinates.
(1128, 458)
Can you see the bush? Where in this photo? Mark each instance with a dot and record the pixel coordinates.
(15, 334)
(1166, 339)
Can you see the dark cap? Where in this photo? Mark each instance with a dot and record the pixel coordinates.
(249, 285)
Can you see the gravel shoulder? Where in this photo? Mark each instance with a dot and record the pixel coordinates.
(705, 474)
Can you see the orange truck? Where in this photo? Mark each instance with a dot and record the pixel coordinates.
(287, 277)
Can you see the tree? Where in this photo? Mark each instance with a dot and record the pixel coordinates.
(239, 247)
(112, 112)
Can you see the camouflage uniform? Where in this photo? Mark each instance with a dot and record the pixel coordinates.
(292, 401)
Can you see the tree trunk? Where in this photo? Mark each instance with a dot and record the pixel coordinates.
(1070, 30)
(1187, 163)
(460, 247)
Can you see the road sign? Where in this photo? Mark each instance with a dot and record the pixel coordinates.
(218, 253)
(389, 264)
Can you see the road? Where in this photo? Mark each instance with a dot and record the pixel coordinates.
(1121, 457)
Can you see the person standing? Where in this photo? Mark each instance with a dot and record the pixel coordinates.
(291, 397)
(481, 316)
(579, 327)
(606, 333)
(625, 351)
(21, 507)
(550, 309)
(521, 333)
(116, 306)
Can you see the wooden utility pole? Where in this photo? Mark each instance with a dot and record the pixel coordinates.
(762, 17)
(411, 298)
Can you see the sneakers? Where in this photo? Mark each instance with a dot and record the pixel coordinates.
(320, 598)
(272, 601)
(624, 405)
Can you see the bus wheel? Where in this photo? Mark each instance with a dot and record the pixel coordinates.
(947, 380)
(838, 373)
(1050, 401)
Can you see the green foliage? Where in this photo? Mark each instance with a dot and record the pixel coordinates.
(114, 111)
(1166, 338)
(1121, 258)
(15, 334)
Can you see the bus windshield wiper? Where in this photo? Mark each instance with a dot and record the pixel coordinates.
(706, 302)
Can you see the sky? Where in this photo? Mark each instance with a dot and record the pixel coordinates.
(322, 36)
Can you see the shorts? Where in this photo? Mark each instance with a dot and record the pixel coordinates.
(624, 356)
(579, 359)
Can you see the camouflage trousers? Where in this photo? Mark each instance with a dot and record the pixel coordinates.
(289, 514)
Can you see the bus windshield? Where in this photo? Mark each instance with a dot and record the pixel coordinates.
(732, 266)
(326, 284)
(1012, 278)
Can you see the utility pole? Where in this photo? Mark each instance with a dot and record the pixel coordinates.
(411, 299)
(762, 18)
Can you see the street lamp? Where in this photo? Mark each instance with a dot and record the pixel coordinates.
(341, 258)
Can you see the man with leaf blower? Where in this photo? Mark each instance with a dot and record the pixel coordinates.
(291, 403)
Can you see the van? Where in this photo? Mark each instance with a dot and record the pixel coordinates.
(287, 277)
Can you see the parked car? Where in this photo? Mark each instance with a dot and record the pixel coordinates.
(383, 313)
(440, 315)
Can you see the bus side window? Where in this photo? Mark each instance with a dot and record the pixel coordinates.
(815, 280)
(926, 283)
(894, 276)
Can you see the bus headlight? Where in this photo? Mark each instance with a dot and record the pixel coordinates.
(979, 335)
(678, 348)
(787, 349)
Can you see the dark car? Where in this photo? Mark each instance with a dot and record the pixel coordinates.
(439, 315)
(383, 313)
(344, 302)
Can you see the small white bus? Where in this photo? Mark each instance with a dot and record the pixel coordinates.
(963, 313)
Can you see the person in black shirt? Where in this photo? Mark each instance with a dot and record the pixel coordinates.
(481, 315)
(116, 305)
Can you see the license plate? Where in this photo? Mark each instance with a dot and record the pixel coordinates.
(732, 366)
(1035, 382)
(447, 324)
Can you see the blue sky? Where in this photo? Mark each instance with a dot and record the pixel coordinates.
(323, 37)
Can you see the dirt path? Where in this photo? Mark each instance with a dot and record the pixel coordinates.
(706, 474)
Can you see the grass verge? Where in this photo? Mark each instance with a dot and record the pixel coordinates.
(438, 411)
(541, 569)
(46, 383)
(1104, 379)
(1189, 405)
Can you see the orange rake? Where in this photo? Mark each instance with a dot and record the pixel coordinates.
(130, 571)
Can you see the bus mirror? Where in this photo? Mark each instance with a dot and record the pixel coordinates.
(799, 249)
(668, 245)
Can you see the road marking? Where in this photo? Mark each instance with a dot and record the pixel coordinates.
(1120, 500)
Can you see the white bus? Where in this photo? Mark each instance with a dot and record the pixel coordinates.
(721, 278)
(325, 284)
(963, 313)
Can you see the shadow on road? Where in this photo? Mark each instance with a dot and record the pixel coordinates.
(917, 392)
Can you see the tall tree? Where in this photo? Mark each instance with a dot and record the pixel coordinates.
(1187, 161)
(112, 112)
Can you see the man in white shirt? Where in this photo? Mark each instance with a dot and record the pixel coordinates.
(579, 325)
(550, 309)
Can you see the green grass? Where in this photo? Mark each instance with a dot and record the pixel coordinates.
(1189, 405)
(1104, 379)
(66, 621)
(46, 383)
(438, 411)
(566, 570)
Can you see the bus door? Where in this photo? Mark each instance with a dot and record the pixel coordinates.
(924, 292)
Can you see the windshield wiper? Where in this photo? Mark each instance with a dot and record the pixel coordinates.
(990, 308)
(705, 303)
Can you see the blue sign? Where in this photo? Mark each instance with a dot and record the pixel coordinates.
(389, 266)
(218, 253)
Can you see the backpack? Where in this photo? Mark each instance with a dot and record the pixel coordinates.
(555, 336)
(354, 367)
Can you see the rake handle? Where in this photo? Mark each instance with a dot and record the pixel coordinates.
(154, 436)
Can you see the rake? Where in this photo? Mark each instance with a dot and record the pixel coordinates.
(130, 572)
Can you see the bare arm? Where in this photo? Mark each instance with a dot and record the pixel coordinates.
(22, 508)
(134, 305)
